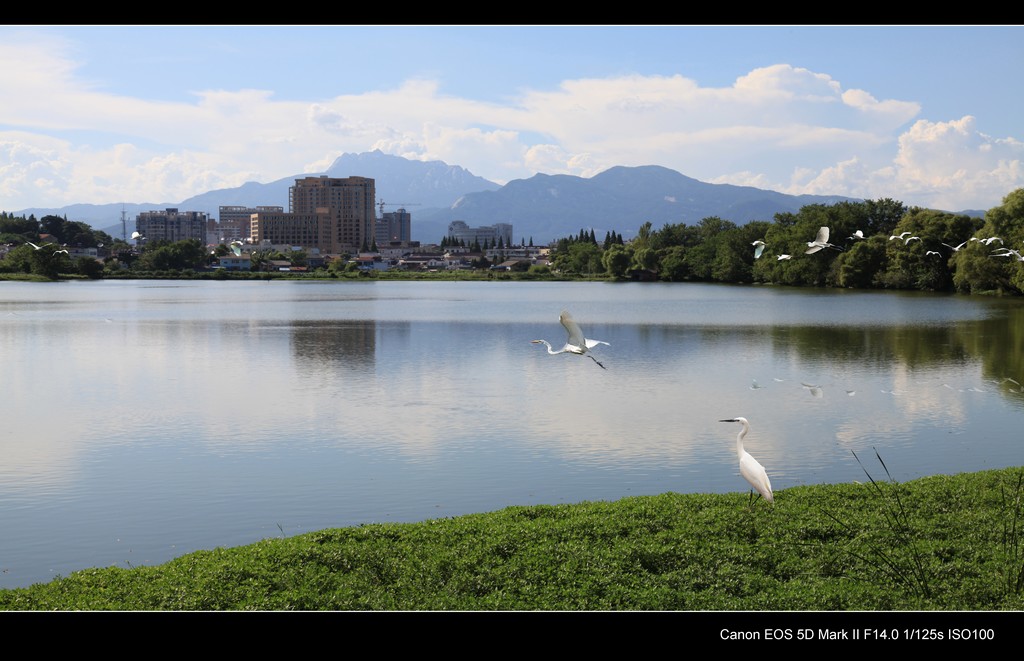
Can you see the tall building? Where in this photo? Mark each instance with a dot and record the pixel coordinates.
(333, 214)
(235, 221)
(487, 234)
(394, 227)
(171, 225)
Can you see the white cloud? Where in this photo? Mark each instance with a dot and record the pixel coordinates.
(781, 127)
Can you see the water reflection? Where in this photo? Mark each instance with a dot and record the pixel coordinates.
(166, 418)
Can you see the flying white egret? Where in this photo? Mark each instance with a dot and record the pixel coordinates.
(932, 252)
(136, 235)
(990, 239)
(820, 241)
(576, 343)
(751, 470)
(1010, 252)
(236, 247)
(900, 236)
(955, 248)
(859, 234)
(907, 240)
(816, 391)
(758, 248)
(782, 257)
(38, 247)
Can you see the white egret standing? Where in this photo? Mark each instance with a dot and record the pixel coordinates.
(576, 343)
(751, 470)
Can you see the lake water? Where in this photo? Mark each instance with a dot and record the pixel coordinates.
(142, 420)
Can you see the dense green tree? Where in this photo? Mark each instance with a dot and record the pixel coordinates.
(981, 266)
(173, 256)
(616, 260)
(860, 265)
(89, 267)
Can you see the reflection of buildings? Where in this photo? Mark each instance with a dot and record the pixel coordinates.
(171, 225)
(490, 234)
(334, 215)
(320, 345)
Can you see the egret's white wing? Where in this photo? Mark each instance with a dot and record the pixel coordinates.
(576, 338)
(593, 343)
(754, 473)
(758, 250)
(822, 237)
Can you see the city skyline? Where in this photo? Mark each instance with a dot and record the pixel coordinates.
(153, 114)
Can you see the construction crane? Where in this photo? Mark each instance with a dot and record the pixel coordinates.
(382, 204)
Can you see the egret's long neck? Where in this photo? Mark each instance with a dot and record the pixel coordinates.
(548, 345)
(739, 440)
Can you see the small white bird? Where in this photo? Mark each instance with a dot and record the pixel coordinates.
(820, 241)
(782, 257)
(758, 248)
(815, 391)
(576, 343)
(933, 252)
(900, 236)
(859, 234)
(955, 248)
(1010, 252)
(751, 470)
(38, 247)
(907, 240)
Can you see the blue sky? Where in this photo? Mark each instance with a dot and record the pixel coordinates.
(928, 115)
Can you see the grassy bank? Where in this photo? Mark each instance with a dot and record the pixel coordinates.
(938, 543)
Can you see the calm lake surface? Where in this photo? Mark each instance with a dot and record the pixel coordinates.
(143, 420)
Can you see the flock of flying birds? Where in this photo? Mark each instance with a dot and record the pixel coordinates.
(821, 241)
(750, 468)
(46, 245)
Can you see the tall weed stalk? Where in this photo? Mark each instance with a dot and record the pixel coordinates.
(911, 573)
(1011, 536)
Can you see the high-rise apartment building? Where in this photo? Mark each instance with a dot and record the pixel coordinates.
(171, 225)
(335, 215)
(394, 227)
(235, 222)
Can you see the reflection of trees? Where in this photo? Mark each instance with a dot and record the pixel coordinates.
(320, 344)
(914, 346)
(999, 343)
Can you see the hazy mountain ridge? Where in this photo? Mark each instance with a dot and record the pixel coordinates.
(543, 207)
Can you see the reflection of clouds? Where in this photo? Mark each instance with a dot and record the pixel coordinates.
(424, 383)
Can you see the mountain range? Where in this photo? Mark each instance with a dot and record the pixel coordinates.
(541, 208)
